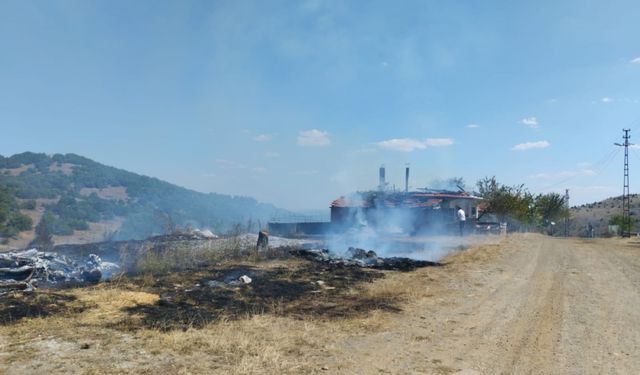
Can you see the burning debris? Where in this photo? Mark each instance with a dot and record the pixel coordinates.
(356, 257)
(25, 270)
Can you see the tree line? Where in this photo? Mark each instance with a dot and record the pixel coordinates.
(518, 207)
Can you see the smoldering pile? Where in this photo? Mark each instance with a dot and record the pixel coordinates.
(26, 270)
(356, 257)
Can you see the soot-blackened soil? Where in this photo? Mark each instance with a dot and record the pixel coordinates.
(191, 299)
(17, 306)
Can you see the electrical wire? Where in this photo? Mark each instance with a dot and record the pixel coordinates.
(598, 168)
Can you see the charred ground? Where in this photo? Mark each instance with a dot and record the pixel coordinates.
(292, 288)
(192, 298)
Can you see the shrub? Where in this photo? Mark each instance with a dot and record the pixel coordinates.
(21, 222)
(28, 205)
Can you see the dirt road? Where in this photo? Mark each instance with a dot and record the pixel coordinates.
(533, 305)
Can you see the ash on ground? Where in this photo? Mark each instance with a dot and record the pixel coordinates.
(26, 270)
(357, 257)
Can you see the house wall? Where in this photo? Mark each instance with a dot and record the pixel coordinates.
(411, 220)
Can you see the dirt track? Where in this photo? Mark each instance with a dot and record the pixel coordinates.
(533, 305)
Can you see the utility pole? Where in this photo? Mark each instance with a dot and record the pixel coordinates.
(626, 199)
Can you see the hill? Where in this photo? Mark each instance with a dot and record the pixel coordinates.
(599, 214)
(75, 199)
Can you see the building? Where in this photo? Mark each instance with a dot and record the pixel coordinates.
(384, 210)
(425, 211)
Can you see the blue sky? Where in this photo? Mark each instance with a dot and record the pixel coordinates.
(298, 102)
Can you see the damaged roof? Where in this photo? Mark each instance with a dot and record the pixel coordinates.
(399, 199)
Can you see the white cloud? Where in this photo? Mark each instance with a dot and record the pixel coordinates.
(262, 138)
(531, 122)
(635, 61)
(606, 99)
(634, 146)
(410, 144)
(473, 126)
(402, 144)
(272, 155)
(313, 138)
(530, 145)
(260, 170)
(438, 142)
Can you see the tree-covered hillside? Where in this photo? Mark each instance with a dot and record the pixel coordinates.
(11, 220)
(78, 191)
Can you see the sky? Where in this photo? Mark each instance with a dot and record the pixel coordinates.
(296, 103)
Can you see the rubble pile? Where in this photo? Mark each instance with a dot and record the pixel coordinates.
(25, 270)
(356, 257)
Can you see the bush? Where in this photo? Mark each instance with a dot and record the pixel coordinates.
(28, 205)
(21, 222)
(44, 231)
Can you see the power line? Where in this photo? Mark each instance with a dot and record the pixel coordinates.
(608, 161)
(598, 168)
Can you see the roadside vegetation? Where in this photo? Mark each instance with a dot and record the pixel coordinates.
(519, 208)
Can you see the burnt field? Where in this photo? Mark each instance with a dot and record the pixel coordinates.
(194, 298)
(194, 287)
(194, 306)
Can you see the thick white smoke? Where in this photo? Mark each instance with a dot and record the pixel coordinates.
(394, 232)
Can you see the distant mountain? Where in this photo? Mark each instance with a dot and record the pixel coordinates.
(599, 214)
(79, 200)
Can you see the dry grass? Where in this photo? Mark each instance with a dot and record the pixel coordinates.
(183, 256)
(108, 329)
(65, 168)
(118, 193)
(82, 339)
(16, 171)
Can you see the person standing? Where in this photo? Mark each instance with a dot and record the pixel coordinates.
(462, 217)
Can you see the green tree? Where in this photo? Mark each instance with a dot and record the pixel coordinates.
(21, 222)
(512, 204)
(44, 231)
(625, 227)
(29, 205)
(549, 208)
(7, 201)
